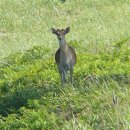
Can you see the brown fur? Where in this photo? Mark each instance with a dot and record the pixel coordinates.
(65, 56)
(57, 55)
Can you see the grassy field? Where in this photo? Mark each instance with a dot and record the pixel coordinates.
(31, 96)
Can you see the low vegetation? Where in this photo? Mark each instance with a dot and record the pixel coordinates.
(32, 97)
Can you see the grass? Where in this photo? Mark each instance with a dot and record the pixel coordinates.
(94, 23)
(31, 96)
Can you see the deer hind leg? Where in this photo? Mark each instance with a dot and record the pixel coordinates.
(64, 76)
(71, 75)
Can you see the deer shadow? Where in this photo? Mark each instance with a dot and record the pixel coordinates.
(10, 102)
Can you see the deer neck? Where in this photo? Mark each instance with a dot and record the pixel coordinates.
(63, 45)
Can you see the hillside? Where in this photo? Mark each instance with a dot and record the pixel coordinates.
(31, 96)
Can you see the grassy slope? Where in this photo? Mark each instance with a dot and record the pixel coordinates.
(30, 90)
(93, 23)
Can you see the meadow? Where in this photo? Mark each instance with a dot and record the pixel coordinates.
(31, 95)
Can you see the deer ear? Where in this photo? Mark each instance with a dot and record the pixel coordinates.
(67, 30)
(53, 31)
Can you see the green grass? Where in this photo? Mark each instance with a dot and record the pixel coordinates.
(94, 23)
(31, 96)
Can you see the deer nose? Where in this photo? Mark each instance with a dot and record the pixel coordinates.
(60, 38)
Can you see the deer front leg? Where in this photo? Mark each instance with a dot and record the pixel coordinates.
(62, 74)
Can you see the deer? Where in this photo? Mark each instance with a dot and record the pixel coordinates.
(65, 56)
